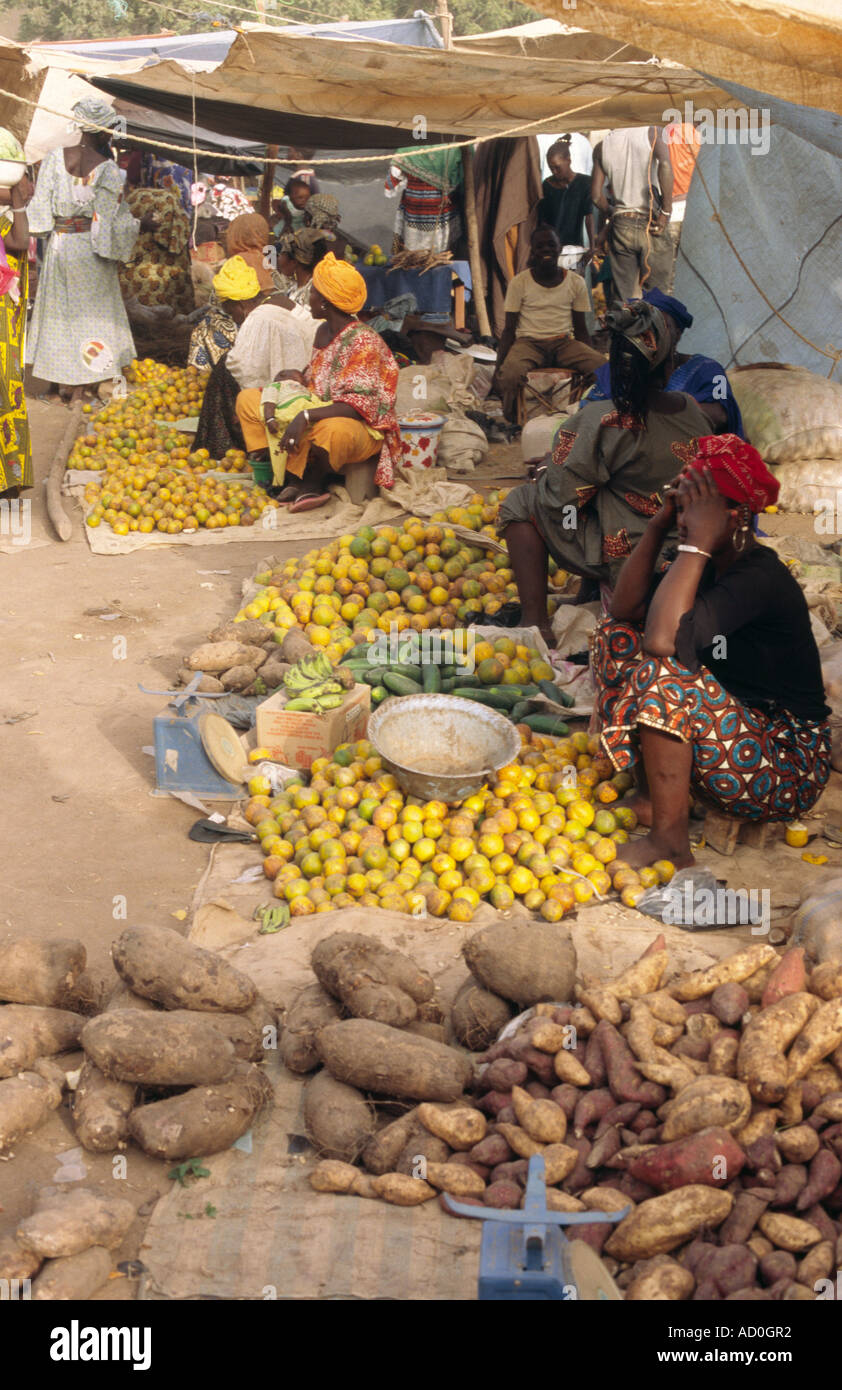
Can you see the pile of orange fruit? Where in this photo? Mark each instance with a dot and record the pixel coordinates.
(545, 833)
(159, 498)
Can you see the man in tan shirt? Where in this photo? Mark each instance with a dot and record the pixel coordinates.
(545, 322)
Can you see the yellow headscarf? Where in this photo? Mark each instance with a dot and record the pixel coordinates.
(340, 283)
(236, 280)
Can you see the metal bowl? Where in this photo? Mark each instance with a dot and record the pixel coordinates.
(441, 747)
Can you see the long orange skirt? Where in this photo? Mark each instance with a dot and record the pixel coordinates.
(344, 441)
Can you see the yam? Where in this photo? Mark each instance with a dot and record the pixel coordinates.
(543, 1120)
(101, 1109)
(338, 1120)
(817, 1039)
(162, 965)
(710, 1157)
(313, 1008)
(295, 646)
(249, 630)
(375, 1057)
(90, 992)
(735, 968)
(73, 1277)
(272, 672)
(39, 972)
(26, 1100)
(16, 1262)
(158, 1049)
(709, 1102)
(788, 977)
(460, 1127)
(524, 962)
(68, 1222)
(239, 678)
(761, 1060)
(207, 685)
(456, 1179)
(421, 1148)
(402, 1191)
(216, 657)
(331, 1175)
(660, 1280)
(477, 1016)
(203, 1120)
(30, 1031)
(660, 1224)
(249, 1032)
(788, 1232)
(369, 979)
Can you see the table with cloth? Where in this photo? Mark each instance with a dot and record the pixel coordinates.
(432, 288)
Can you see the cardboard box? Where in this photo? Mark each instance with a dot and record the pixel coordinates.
(297, 739)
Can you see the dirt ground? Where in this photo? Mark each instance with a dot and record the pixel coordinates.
(89, 849)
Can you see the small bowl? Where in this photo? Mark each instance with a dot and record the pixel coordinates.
(11, 172)
(442, 747)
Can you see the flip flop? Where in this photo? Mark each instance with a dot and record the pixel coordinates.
(309, 502)
(209, 832)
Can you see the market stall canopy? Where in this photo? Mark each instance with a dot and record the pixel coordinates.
(279, 87)
(791, 51)
(546, 38)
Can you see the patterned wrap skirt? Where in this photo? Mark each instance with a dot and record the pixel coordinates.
(747, 763)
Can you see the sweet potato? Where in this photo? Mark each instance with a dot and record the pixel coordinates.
(776, 1265)
(759, 1125)
(203, 1120)
(540, 1063)
(664, 1008)
(824, 1173)
(710, 1157)
(477, 1016)
(710, 1101)
(375, 1057)
(735, 968)
(644, 977)
(338, 1120)
(592, 1107)
(460, 1127)
(523, 962)
(39, 972)
(605, 1146)
(830, 1108)
(732, 1267)
(729, 1002)
(29, 1031)
(504, 1196)
(492, 1150)
(161, 964)
(456, 1179)
(560, 1201)
(788, 1232)
(421, 1148)
(599, 1001)
(66, 1223)
(312, 1009)
(26, 1101)
(817, 1264)
(790, 1181)
(798, 1144)
(744, 1216)
(519, 1141)
(826, 980)
(660, 1282)
(402, 1191)
(543, 1120)
(158, 1049)
(567, 1098)
(756, 983)
(817, 1039)
(568, 1068)
(504, 1073)
(559, 1162)
(722, 1058)
(383, 1150)
(624, 1077)
(583, 1021)
(73, 1277)
(619, 1116)
(332, 1175)
(761, 1061)
(788, 977)
(660, 1224)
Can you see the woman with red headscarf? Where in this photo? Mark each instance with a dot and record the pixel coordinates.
(708, 676)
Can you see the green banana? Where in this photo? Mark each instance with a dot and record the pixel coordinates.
(272, 917)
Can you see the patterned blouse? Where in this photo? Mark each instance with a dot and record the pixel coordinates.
(357, 369)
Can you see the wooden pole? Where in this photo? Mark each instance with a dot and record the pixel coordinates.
(264, 204)
(472, 228)
(445, 19)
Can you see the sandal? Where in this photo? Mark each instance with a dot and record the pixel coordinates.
(309, 502)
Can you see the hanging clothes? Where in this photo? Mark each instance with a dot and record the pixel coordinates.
(428, 216)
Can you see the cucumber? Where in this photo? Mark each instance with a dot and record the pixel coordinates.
(448, 672)
(553, 692)
(362, 649)
(401, 685)
(546, 724)
(467, 682)
(373, 676)
(378, 694)
(413, 673)
(507, 695)
(520, 709)
(431, 680)
(449, 684)
(482, 697)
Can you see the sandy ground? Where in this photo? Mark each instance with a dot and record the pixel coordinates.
(88, 847)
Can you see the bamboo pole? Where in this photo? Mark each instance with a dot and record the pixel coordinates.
(264, 205)
(472, 228)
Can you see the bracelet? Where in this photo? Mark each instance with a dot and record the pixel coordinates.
(306, 415)
(694, 550)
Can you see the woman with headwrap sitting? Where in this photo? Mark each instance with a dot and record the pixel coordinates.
(80, 332)
(589, 506)
(355, 376)
(269, 340)
(708, 676)
(701, 377)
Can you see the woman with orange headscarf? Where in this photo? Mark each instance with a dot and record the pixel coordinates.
(708, 676)
(355, 374)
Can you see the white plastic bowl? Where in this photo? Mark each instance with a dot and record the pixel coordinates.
(11, 172)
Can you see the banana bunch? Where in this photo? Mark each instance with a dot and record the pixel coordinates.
(272, 917)
(315, 686)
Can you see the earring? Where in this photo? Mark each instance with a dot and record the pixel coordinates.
(739, 538)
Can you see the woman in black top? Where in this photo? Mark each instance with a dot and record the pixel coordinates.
(566, 203)
(709, 672)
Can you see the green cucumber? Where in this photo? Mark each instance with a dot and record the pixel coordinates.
(546, 724)
(431, 680)
(507, 695)
(519, 710)
(482, 697)
(401, 685)
(362, 649)
(379, 694)
(466, 682)
(553, 692)
(405, 668)
(373, 676)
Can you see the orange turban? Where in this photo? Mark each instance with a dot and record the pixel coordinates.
(340, 284)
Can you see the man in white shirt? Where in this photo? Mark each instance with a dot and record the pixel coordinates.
(545, 322)
(635, 161)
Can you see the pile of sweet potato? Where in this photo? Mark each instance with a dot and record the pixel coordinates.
(709, 1104)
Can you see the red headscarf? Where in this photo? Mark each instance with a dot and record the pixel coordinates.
(737, 470)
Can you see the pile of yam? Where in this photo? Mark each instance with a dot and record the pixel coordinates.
(65, 1246)
(244, 656)
(705, 1108)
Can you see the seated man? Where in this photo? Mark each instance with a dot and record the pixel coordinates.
(545, 322)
